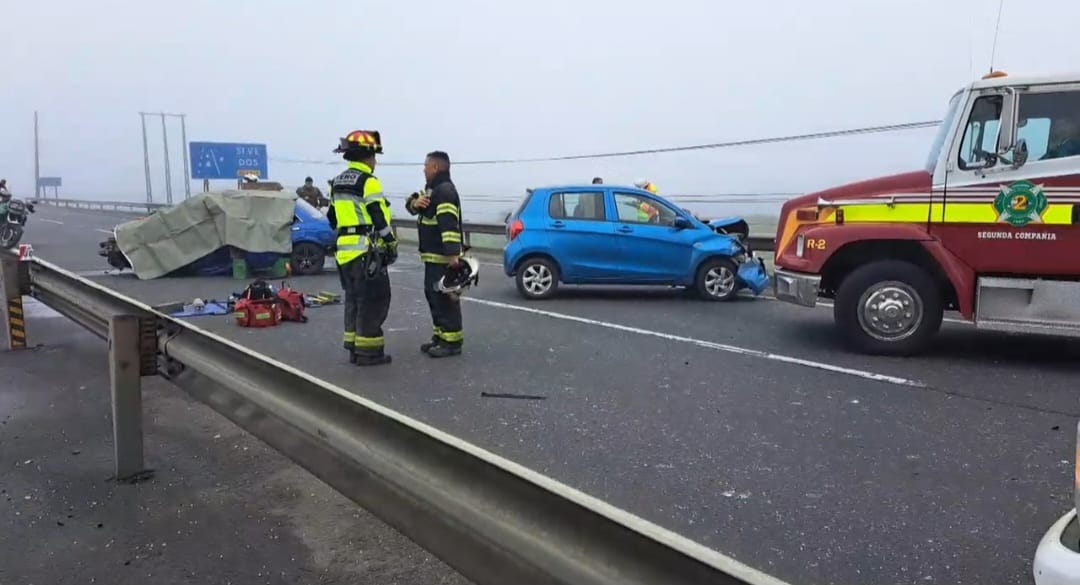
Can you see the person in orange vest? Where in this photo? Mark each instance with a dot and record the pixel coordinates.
(647, 185)
(647, 213)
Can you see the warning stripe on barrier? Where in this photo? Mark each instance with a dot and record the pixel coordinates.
(16, 323)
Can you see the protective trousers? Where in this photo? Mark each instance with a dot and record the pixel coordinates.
(445, 309)
(367, 303)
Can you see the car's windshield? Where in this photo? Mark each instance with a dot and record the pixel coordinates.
(305, 209)
(942, 132)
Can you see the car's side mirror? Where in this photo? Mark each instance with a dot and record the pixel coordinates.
(681, 223)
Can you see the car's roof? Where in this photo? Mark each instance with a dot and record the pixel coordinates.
(566, 187)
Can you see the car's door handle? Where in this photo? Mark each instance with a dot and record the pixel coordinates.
(624, 229)
(558, 224)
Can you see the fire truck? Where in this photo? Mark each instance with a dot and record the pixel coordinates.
(989, 227)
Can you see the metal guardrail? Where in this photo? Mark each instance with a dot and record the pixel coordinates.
(494, 521)
(757, 243)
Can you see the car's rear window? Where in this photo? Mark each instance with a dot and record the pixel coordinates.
(584, 206)
(524, 203)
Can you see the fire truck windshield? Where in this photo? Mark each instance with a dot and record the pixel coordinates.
(942, 132)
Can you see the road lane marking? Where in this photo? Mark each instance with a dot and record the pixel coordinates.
(708, 344)
(104, 231)
(50, 221)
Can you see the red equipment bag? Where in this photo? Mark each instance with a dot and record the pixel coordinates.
(261, 313)
(292, 304)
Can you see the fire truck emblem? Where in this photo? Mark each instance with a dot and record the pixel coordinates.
(1020, 203)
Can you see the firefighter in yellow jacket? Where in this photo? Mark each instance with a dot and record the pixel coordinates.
(366, 246)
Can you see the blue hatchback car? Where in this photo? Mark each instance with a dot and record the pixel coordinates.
(605, 234)
(312, 237)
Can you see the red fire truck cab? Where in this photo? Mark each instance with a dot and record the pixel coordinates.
(990, 227)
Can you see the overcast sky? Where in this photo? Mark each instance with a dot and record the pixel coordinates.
(504, 78)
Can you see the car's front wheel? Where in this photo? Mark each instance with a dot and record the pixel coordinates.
(307, 259)
(537, 278)
(716, 280)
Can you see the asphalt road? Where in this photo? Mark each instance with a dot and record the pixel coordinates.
(742, 425)
(221, 507)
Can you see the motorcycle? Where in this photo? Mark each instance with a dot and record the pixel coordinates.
(13, 216)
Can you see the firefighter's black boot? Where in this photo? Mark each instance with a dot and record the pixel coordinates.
(372, 359)
(353, 356)
(440, 350)
(426, 347)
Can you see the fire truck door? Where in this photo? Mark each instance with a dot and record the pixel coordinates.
(1010, 219)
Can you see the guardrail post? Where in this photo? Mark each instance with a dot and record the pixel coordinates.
(125, 381)
(12, 317)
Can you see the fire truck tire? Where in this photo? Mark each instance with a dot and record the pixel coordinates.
(888, 307)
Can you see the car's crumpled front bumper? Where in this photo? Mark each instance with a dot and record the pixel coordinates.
(1058, 563)
(753, 275)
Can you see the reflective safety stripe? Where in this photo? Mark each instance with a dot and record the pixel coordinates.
(386, 231)
(434, 258)
(897, 213)
(449, 208)
(1060, 214)
(349, 211)
(358, 243)
(368, 342)
(452, 336)
(349, 336)
(436, 330)
(451, 237)
(357, 248)
(350, 247)
(426, 221)
(951, 212)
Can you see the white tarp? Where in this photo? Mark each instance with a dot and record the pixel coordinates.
(253, 221)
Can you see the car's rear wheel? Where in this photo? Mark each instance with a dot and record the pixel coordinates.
(888, 307)
(307, 259)
(716, 280)
(537, 278)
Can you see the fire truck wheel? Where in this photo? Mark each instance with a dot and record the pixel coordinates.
(888, 307)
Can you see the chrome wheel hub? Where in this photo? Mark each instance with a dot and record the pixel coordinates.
(890, 311)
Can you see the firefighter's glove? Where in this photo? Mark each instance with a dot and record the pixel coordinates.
(390, 252)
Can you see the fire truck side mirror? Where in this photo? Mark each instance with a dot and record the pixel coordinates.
(1006, 140)
(1020, 154)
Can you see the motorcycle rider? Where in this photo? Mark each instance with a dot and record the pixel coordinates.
(5, 195)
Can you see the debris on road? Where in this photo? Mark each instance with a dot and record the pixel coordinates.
(516, 396)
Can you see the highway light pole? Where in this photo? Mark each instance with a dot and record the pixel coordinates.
(187, 170)
(37, 161)
(168, 170)
(165, 149)
(146, 160)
